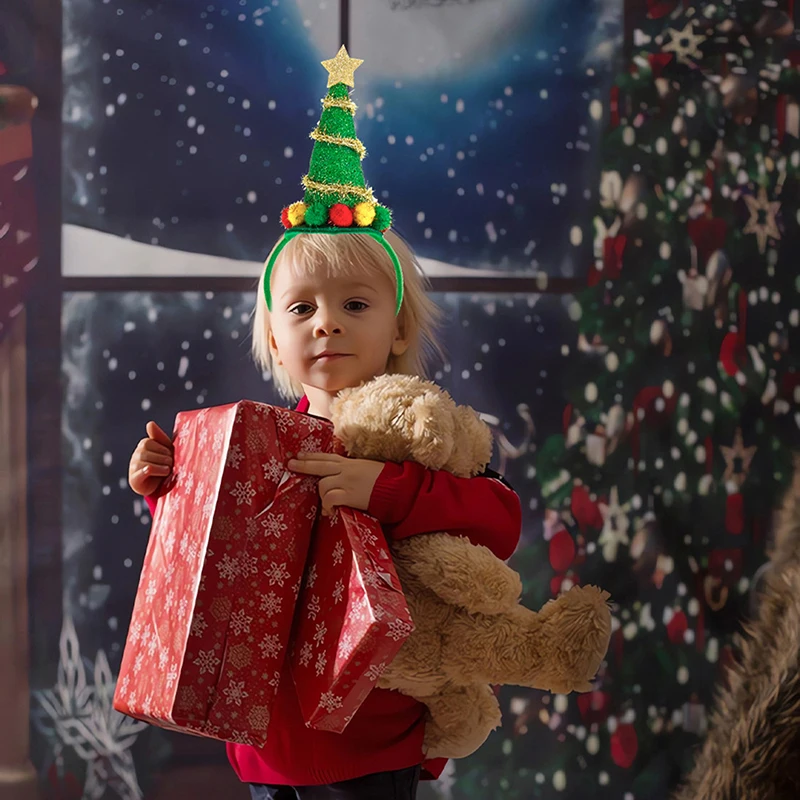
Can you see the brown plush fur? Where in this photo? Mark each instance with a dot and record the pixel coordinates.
(470, 629)
(753, 749)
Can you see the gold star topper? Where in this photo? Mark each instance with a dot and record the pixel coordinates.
(763, 218)
(341, 68)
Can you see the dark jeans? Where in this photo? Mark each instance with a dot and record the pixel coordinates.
(400, 784)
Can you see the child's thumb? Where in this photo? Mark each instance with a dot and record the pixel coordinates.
(158, 435)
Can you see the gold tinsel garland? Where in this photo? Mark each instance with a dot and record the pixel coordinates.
(363, 193)
(340, 102)
(343, 141)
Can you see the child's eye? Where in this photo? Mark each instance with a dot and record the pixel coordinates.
(355, 305)
(300, 309)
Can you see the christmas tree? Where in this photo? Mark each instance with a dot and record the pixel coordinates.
(683, 393)
(336, 193)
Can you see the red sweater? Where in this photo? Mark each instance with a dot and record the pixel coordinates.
(386, 732)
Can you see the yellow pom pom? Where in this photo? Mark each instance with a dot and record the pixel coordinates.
(363, 214)
(297, 213)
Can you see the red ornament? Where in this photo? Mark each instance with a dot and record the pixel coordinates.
(734, 513)
(594, 707)
(562, 551)
(624, 746)
(285, 219)
(732, 352)
(660, 8)
(586, 513)
(708, 235)
(677, 627)
(658, 61)
(648, 400)
(726, 564)
(341, 215)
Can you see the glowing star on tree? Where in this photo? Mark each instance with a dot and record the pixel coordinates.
(684, 43)
(737, 460)
(615, 526)
(762, 222)
(341, 68)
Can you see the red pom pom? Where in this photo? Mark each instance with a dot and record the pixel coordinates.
(594, 707)
(285, 219)
(341, 215)
(562, 551)
(624, 746)
(677, 627)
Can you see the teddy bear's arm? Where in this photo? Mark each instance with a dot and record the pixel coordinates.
(459, 572)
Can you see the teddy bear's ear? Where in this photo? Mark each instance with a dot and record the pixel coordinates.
(473, 448)
(429, 426)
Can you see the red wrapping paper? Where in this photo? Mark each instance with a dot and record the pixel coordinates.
(227, 552)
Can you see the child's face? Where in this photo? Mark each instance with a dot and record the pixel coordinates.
(333, 332)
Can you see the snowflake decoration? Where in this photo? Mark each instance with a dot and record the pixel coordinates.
(306, 654)
(367, 534)
(274, 525)
(346, 645)
(203, 438)
(172, 675)
(217, 443)
(338, 592)
(270, 604)
(319, 667)
(235, 693)
(79, 715)
(248, 564)
(615, 526)
(228, 568)
(319, 633)
(277, 573)
(207, 661)
(762, 222)
(330, 701)
(312, 576)
(399, 629)
(198, 624)
(313, 607)
(684, 43)
(243, 493)
(235, 456)
(259, 718)
(240, 622)
(375, 671)
(271, 645)
(338, 552)
(169, 541)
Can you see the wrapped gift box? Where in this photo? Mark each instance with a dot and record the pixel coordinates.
(227, 552)
(352, 619)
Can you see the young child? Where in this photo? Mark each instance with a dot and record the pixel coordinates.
(336, 311)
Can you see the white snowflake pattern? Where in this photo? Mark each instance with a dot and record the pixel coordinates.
(218, 439)
(275, 680)
(199, 624)
(153, 644)
(319, 667)
(135, 632)
(270, 604)
(371, 577)
(248, 564)
(346, 645)
(375, 671)
(283, 422)
(228, 568)
(162, 659)
(367, 534)
(251, 527)
(209, 505)
(399, 629)
(306, 654)
(182, 547)
(137, 663)
(243, 493)
(199, 493)
(183, 607)
(240, 622)
(188, 484)
(169, 541)
(183, 434)
(338, 552)
(310, 445)
(151, 590)
(172, 675)
(203, 438)
(235, 456)
(330, 701)
(277, 573)
(78, 714)
(274, 525)
(169, 573)
(319, 633)
(207, 661)
(313, 607)
(312, 576)
(169, 601)
(270, 645)
(338, 592)
(273, 470)
(235, 693)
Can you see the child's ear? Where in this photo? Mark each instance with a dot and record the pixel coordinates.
(273, 348)
(400, 343)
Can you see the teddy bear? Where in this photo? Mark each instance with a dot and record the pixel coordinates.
(471, 631)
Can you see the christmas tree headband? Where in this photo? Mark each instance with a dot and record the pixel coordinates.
(337, 199)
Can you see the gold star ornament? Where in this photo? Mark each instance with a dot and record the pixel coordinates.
(341, 68)
(737, 460)
(685, 43)
(762, 222)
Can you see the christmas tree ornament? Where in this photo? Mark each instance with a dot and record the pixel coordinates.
(685, 43)
(615, 526)
(737, 460)
(337, 198)
(763, 218)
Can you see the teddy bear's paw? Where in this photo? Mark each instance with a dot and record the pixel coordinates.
(460, 720)
(459, 572)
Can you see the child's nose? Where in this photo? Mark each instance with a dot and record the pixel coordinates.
(327, 324)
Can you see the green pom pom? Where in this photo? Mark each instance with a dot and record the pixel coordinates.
(383, 218)
(316, 215)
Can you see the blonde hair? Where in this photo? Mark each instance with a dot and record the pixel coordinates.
(353, 255)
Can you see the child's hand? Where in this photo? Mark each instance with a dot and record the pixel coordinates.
(151, 461)
(343, 481)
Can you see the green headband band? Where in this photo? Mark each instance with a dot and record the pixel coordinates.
(376, 235)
